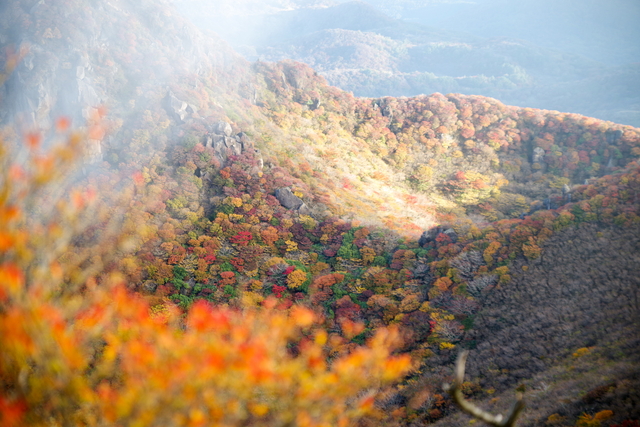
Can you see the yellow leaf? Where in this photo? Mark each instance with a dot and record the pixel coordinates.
(259, 409)
(302, 316)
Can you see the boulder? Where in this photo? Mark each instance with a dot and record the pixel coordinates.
(233, 145)
(538, 155)
(613, 136)
(222, 128)
(452, 234)
(430, 235)
(304, 209)
(149, 286)
(176, 109)
(208, 141)
(225, 146)
(192, 109)
(243, 139)
(287, 199)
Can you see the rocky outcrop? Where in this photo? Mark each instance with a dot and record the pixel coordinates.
(35, 97)
(290, 201)
(118, 55)
(177, 109)
(220, 137)
(222, 128)
(430, 235)
(538, 155)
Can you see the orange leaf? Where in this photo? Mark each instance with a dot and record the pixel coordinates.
(302, 316)
(56, 271)
(11, 412)
(92, 316)
(351, 329)
(7, 241)
(11, 278)
(77, 199)
(138, 178)
(367, 403)
(396, 366)
(62, 124)
(214, 361)
(203, 317)
(96, 132)
(270, 302)
(33, 139)
(8, 214)
(44, 164)
(16, 173)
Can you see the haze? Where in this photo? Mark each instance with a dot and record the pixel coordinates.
(573, 56)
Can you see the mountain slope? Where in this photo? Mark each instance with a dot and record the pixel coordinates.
(575, 307)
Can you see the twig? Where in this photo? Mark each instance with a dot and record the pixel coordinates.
(455, 390)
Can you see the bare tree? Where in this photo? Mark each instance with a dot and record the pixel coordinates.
(477, 285)
(467, 264)
(455, 390)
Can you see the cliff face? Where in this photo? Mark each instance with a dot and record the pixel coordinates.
(72, 57)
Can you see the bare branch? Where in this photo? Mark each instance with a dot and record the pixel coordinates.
(455, 390)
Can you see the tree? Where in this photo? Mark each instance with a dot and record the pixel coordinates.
(78, 348)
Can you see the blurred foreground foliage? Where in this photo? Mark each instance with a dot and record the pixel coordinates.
(78, 348)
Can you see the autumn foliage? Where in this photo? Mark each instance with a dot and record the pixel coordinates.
(195, 295)
(78, 348)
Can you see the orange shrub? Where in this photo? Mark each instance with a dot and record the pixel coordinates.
(79, 349)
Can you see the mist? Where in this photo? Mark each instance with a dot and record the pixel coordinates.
(570, 56)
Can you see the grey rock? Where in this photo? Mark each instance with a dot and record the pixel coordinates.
(192, 109)
(613, 136)
(452, 234)
(304, 209)
(233, 145)
(176, 108)
(222, 128)
(217, 142)
(149, 286)
(430, 235)
(243, 139)
(538, 155)
(225, 146)
(287, 199)
(260, 159)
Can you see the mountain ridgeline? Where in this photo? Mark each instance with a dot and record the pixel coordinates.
(459, 219)
(525, 54)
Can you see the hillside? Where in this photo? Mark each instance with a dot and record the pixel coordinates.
(245, 183)
(566, 328)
